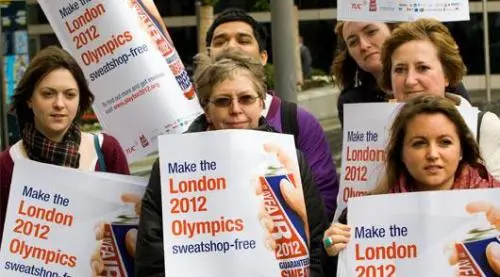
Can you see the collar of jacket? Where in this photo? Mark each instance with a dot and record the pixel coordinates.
(453, 97)
(200, 124)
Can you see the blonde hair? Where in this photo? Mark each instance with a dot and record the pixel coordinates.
(429, 30)
(211, 71)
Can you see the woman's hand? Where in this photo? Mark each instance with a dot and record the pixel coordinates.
(96, 261)
(336, 238)
(492, 214)
(492, 251)
(292, 194)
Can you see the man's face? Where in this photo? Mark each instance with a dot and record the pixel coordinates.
(238, 35)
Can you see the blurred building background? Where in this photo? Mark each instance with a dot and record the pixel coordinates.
(316, 21)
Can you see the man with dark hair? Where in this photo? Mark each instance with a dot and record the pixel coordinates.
(235, 28)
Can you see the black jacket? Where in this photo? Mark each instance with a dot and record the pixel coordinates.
(359, 94)
(149, 258)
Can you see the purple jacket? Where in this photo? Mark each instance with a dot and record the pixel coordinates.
(314, 145)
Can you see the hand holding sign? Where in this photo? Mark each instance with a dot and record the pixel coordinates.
(492, 213)
(492, 250)
(291, 191)
(493, 216)
(96, 261)
(131, 236)
(336, 238)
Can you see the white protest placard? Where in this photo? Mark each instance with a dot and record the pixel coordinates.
(363, 149)
(126, 58)
(211, 206)
(408, 10)
(439, 233)
(59, 218)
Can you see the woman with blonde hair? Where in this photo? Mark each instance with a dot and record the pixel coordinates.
(231, 90)
(421, 57)
(357, 64)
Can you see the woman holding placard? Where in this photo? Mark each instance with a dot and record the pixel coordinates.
(421, 157)
(231, 90)
(422, 57)
(357, 66)
(49, 101)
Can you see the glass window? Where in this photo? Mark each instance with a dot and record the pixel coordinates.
(240, 4)
(321, 47)
(186, 43)
(316, 4)
(321, 40)
(47, 40)
(175, 7)
(494, 30)
(469, 37)
(39, 16)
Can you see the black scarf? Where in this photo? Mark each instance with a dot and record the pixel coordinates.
(41, 149)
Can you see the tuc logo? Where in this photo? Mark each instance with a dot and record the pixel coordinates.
(132, 149)
(356, 6)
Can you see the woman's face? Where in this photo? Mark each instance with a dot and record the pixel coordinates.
(416, 69)
(431, 155)
(364, 42)
(234, 104)
(55, 103)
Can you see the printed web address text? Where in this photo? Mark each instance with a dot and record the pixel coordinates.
(132, 93)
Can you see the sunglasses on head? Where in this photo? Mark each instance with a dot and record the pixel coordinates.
(226, 101)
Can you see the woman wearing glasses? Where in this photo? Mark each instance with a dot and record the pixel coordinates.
(231, 99)
(231, 91)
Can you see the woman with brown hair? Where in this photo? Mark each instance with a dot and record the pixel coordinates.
(421, 157)
(357, 65)
(48, 102)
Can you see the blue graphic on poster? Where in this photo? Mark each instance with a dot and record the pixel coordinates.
(14, 68)
(21, 42)
(15, 45)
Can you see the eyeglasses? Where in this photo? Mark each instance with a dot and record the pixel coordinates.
(226, 101)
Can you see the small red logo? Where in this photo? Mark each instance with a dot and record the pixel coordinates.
(130, 150)
(144, 141)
